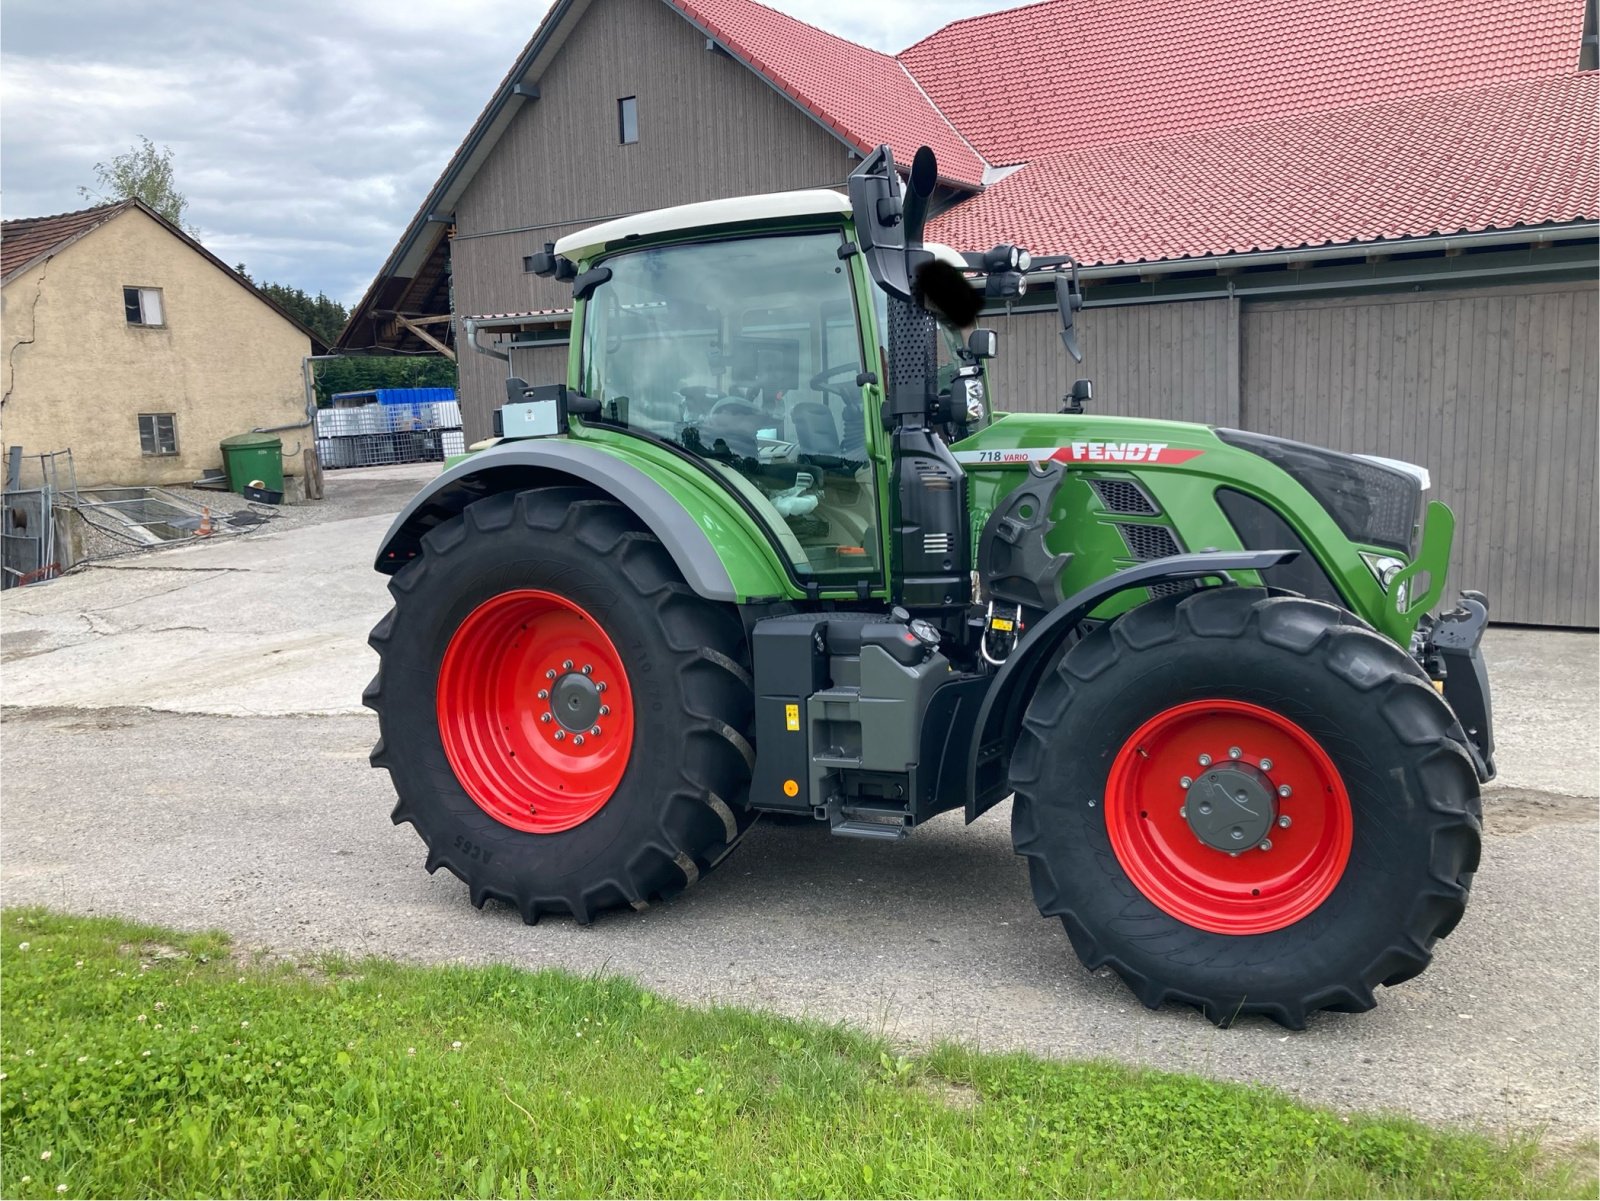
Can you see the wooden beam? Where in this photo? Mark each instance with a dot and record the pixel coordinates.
(436, 319)
(424, 335)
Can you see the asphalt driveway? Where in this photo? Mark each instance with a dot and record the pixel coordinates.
(183, 744)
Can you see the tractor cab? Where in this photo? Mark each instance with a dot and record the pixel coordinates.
(746, 354)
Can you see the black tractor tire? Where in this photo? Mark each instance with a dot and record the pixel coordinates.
(679, 807)
(1413, 805)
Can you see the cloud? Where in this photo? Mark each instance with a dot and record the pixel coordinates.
(304, 134)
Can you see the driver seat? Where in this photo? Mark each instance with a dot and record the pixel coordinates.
(814, 430)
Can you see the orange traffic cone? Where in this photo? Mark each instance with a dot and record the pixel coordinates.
(206, 528)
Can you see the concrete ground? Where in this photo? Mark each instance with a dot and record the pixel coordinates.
(184, 744)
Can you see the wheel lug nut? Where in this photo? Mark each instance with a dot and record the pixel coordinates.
(1266, 765)
(600, 686)
(1266, 844)
(1205, 760)
(588, 669)
(544, 718)
(1233, 752)
(1285, 822)
(551, 674)
(566, 665)
(561, 735)
(1285, 790)
(605, 710)
(1184, 782)
(544, 694)
(577, 740)
(594, 730)
(1183, 811)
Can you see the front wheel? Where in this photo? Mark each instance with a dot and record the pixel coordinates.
(1246, 802)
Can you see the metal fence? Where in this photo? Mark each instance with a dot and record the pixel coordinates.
(375, 435)
(34, 486)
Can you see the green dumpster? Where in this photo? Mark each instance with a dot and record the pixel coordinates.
(250, 457)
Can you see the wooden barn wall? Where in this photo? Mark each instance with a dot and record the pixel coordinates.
(1177, 361)
(708, 128)
(1493, 390)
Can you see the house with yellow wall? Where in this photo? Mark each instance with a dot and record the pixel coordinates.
(127, 342)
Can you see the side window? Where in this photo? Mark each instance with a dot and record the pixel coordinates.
(628, 120)
(158, 433)
(142, 306)
(745, 353)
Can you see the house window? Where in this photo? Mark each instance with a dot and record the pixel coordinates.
(628, 119)
(142, 306)
(158, 433)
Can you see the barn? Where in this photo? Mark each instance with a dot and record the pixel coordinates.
(1370, 226)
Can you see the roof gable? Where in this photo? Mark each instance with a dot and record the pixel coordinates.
(40, 237)
(862, 95)
(1066, 74)
(1517, 154)
(27, 240)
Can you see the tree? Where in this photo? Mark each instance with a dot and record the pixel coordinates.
(142, 173)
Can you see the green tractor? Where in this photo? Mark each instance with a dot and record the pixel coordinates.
(770, 549)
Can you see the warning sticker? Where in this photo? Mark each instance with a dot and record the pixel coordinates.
(791, 717)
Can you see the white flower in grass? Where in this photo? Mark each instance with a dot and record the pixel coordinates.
(22, 946)
(144, 1054)
(245, 1025)
(411, 1050)
(78, 964)
(45, 1155)
(142, 1018)
(61, 1188)
(194, 1029)
(456, 1046)
(3, 1075)
(161, 1004)
(83, 1059)
(26, 1179)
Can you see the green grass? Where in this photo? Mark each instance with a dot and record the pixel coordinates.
(139, 1062)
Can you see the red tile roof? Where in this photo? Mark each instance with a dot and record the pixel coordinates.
(29, 238)
(864, 96)
(1524, 153)
(1067, 74)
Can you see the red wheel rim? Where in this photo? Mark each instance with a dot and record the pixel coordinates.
(527, 680)
(1254, 891)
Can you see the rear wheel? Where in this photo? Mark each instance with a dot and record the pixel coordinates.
(564, 721)
(1253, 804)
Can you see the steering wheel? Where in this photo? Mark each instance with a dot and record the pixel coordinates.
(821, 382)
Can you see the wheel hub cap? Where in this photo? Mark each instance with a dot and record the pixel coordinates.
(575, 701)
(1232, 808)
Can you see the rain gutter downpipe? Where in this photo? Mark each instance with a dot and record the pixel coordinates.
(311, 396)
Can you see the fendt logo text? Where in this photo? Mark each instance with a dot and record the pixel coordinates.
(1123, 452)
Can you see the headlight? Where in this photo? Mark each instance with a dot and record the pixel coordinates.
(1386, 567)
(1370, 502)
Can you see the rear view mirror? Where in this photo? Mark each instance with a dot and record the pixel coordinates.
(1069, 299)
(983, 344)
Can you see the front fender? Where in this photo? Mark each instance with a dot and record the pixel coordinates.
(1014, 684)
(534, 463)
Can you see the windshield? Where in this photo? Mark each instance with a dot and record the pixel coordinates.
(745, 353)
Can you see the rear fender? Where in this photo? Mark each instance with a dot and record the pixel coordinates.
(534, 463)
(1001, 715)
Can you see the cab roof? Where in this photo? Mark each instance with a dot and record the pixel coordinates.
(707, 214)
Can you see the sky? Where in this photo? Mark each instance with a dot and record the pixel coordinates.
(304, 134)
